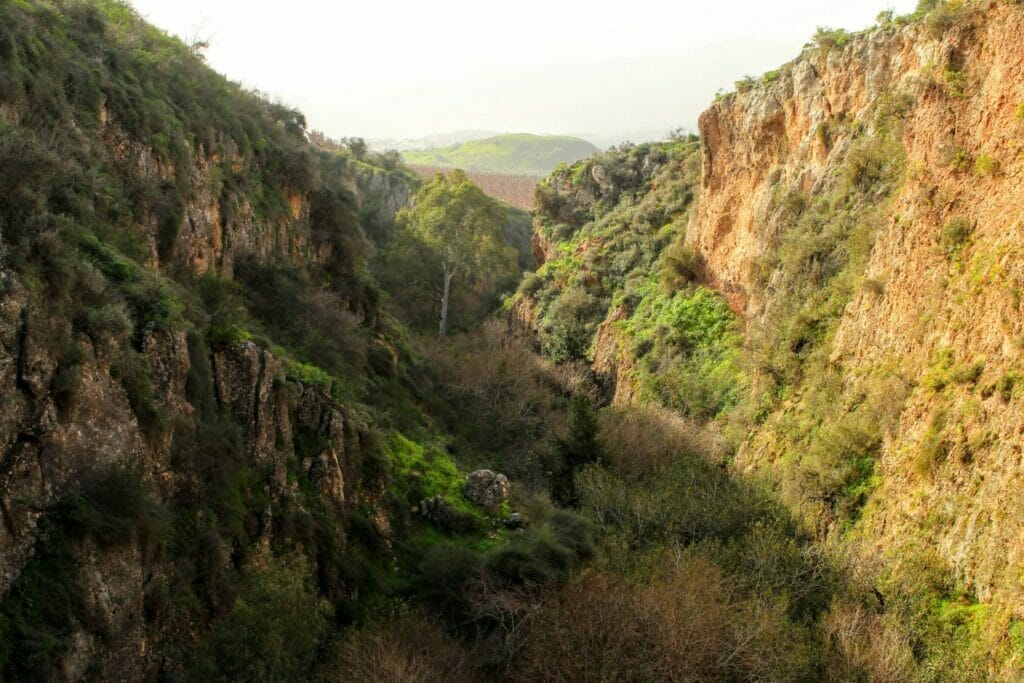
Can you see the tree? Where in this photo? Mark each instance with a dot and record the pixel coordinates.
(357, 147)
(580, 448)
(461, 227)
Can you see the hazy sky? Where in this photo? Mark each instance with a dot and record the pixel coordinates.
(403, 69)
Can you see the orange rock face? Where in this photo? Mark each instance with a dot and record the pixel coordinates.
(963, 135)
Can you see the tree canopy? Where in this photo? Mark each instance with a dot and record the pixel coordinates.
(454, 230)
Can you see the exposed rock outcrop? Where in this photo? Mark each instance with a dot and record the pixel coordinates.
(962, 94)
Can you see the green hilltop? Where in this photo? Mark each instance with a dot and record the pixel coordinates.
(518, 153)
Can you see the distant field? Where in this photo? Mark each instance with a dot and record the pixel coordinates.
(516, 190)
(520, 153)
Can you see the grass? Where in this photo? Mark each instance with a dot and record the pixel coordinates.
(424, 471)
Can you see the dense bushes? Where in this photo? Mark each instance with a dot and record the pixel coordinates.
(272, 630)
(612, 216)
(468, 585)
(688, 623)
(955, 234)
(500, 401)
(687, 344)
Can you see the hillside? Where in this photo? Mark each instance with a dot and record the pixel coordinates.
(857, 211)
(520, 153)
(273, 407)
(882, 251)
(212, 429)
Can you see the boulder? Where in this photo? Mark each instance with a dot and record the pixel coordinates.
(487, 489)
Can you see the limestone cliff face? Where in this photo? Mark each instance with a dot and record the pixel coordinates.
(381, 194)
(48, 450)
(216, 225)
(52, 439)
(962, 134)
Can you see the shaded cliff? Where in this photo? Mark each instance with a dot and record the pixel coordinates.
(189, 349)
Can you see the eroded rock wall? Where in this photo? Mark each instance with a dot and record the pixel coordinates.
(962, 133)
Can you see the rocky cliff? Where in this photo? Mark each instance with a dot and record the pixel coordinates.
(935, 301)
(859, 211)
(175, 261)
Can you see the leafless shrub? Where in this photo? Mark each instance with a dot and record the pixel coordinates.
(644, 438)
(688, 624)
(412, 648)
(859, 644)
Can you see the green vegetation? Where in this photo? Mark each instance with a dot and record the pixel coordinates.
(272, 630)
(828, 39)
(607, 244)
(955, 235)
(941, 15)
(519, 153)
(987, 165)
(687, 344)
(45, 606)
(452, 229)
(303, 517)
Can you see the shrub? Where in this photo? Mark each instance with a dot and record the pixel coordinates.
(986, 165)
(1006, 385)
(861, 645)
(681, 265)
(113, 508)
(746, 84)
(955, 235)
(67, 377)
(956, 157)
(644, 439)
(828, 39)
(687, 623)
(691, 501)
(444, 573)
(955, 82)
(37, 615)
(967, 373)
(580, 448)
(132, 370)
(569, 325)
(272, 630)
(942, 15)
(108, 322)
(933, 447)
(408, 648)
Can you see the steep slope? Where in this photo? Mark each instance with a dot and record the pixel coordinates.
(933, 297)
(859, 211)
(139, 411)
(520, 153)
(210, 438)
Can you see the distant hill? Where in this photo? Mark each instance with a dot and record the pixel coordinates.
(519, 153)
